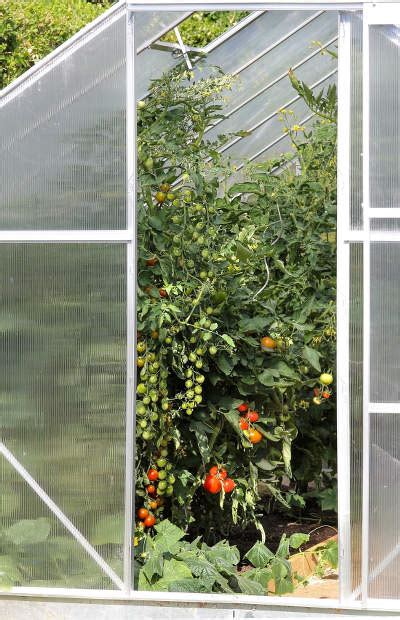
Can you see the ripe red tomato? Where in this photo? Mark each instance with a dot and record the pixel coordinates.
(151, 489)
(142, 513)
(326, 395)
(223, 473)
(212, 484)
(244, 425)
(150, 521)
(252, 416)
(213, 470)
(152, 474)
(242, 408)
(254, 435)
(162, 292)
(229, 485)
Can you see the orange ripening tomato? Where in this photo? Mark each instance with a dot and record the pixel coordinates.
(150, 521)
(153, 505)
(142, 513)
(254, 435)
(268, 344)
(162, 292)
(151, 489)
(326, 394)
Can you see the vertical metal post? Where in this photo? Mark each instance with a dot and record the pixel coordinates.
(131, 300)
(366, 319)
(343, 306)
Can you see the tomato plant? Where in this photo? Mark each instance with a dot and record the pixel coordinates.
(236, 312)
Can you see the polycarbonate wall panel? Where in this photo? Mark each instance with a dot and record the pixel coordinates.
(384, 517)
(385, 324)
(356, 406)
(35, 548)
(149, 24)
(153, 63)
(356, 192)
(384, 116)
(63, 382)
(63, 141)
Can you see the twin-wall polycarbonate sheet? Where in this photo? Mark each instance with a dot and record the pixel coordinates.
(268, 76)
(63, 140)
(384, 513)
(63, 389)
(384, 154)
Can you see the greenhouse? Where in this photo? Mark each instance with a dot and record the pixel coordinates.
(199, 323)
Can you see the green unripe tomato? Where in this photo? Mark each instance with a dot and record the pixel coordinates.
(141, 388)
(195, 236)
(210, 274)
(149, 164)
(176, 202)
(198, 389)
(154, 398)
(206, 336)
(176, 219)
(200, 351)
(203, 275)
(192, 339)
(189, 373)
(153, 379)
(201, 240)
(151, 357)
(192, 357)
(213, 350)
(160, 491)
(165, 405)
(198, 364)
(161, 463)
(154, 417)
(141, 105)
(200, 379)
(168, 340)
(209, 310)
(326, 378)
(140, 409)
(169, 490)
(164, 374)
(143, 424)
(207, 324)
(164, 452)
(205, 253)
(189, 411)
(184, 406)
(171, 479)
(164, 442)
(198, 399)
(162, 474)
(190, 263)
(199, 225)
(162, 485)
(189, 394)
(147, 435)
(168, 466)
(188, 383)
(146, 400)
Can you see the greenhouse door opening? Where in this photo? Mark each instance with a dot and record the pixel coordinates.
(199, 250)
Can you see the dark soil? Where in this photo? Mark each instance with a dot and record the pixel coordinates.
(277, 524)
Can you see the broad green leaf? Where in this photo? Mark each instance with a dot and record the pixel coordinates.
(312, 357)
(199, 430)
(242, 252)
(225, 363)
(28, 532)
(9, 572)
(267, 377)
(166, 528)
(254, 324)
(190, 585)
(298, 539)
(154, 566)
(262, 575)
(244, 188)
(155, 222)
(259, 555)
(108, 530)
(248, 586)
(174, 570)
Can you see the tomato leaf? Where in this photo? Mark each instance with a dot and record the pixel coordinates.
(312, 357)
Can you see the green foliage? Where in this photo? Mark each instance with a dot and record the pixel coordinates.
(168, 563)
(30, 29)
(201, 28)
(230, 264)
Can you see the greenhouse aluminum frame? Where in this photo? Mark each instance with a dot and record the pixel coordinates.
(373, 13)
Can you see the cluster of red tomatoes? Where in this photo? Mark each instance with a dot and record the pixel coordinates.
(146, 517)
(246, 421)
(217, 479)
